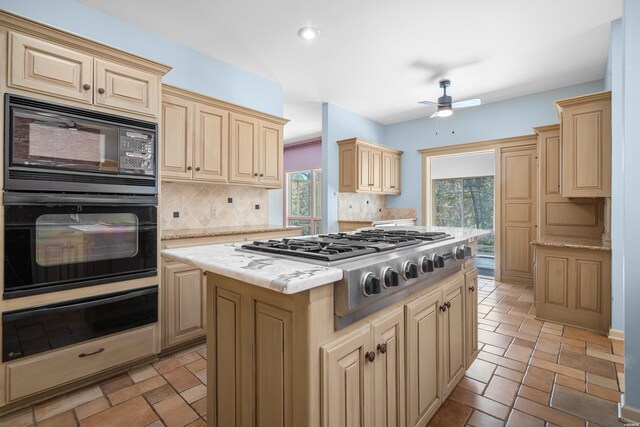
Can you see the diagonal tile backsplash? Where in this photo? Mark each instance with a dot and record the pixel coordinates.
(194, 203)
(364, 207)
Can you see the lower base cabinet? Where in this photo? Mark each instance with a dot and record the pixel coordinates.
(435, 349)
(471, 317)
(573, 287)
(185, 303)
(276, 360)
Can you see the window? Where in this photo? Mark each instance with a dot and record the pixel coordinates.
(304, 200)
(465, 202)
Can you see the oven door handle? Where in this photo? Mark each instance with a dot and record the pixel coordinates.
(9, 317)
(17, 198)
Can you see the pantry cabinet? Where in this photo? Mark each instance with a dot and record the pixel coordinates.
(56, 70)
(208, 140)
(585, 123)
(366, 167)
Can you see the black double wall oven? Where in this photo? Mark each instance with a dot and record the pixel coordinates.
(80, 209)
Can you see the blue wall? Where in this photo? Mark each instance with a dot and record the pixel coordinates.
(630, 189)
(338, 124)
(614, 83)
(191, 69)
(512, 117)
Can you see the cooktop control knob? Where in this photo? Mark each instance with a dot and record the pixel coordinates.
(458, 252)
(370, 284)
(438, 261)
(426, 265)
(409, 270)
(389, 277)
(467, 251)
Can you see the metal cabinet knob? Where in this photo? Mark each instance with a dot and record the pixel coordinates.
(255, 174)
(382, 348)
(443, 308)
(86, 86)
(448, 304)
(101, 91)
(197, 168)
(261, 174)
(472, 288)
(189, 168)
(370, 356)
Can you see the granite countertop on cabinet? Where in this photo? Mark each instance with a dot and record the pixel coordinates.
(279, 274)
(376, 221)
(190, 233)
(573, 243)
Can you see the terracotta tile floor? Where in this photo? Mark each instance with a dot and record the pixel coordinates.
(528, 373)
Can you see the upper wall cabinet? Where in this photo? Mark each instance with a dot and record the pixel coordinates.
(71, 70)
(208, 140)
(585, 124)
(366, 167)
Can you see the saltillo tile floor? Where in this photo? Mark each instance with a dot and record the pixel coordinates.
(528, 373)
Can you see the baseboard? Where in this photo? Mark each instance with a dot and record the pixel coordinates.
(616, 334)
(628, 413)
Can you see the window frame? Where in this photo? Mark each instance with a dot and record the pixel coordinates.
(433, 197)
(314, 217)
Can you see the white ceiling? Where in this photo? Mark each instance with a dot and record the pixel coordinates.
(378, 58)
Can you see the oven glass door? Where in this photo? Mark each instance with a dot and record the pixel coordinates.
(36, 330)
(53, 247)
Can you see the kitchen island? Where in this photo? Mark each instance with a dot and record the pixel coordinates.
(276, 358)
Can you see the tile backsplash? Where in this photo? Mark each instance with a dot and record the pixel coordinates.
(207, 205)
(356, 206)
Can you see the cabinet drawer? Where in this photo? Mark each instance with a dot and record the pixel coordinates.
(33, 375)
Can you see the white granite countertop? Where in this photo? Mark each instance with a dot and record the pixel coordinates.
(278, 274)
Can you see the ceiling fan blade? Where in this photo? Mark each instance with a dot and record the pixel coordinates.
(427, 102)
(466, 103)
(433, 115)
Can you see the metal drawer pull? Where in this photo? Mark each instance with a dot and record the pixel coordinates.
(100, 350)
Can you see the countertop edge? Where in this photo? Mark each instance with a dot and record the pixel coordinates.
(196, 234)
(569, 245)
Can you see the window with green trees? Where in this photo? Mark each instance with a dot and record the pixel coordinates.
(465, 202)
(304, 200)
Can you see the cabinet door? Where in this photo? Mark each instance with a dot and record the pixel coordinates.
(243, 148)
(387, 172)
(211, 144)
(396, 181)
(375, 174)
(518, 213)
(185, 303)
(388, 370)
(270, 155)
(453, 333)
(471, 317)
(177, 137)
(48, 68)
(126, 88)
(424, 358)
(346, 381)
(364, 168)
(586, 145)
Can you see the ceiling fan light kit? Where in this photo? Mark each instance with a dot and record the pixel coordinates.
(445, 104)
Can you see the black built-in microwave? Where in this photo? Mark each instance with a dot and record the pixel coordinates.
(57, 148)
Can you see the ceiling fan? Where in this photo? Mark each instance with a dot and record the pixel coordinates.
(445, 102)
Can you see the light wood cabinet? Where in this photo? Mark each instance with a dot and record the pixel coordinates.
(435, 348)
(391, 181)
(471, 317)
(256, 152)
(573, 286)
(365, 167)
(558, 215)
(52, 69)
(518, 201)
(585, 124)
(185, 302)
(195, 139)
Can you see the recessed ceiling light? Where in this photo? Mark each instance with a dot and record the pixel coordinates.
(308, 33)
